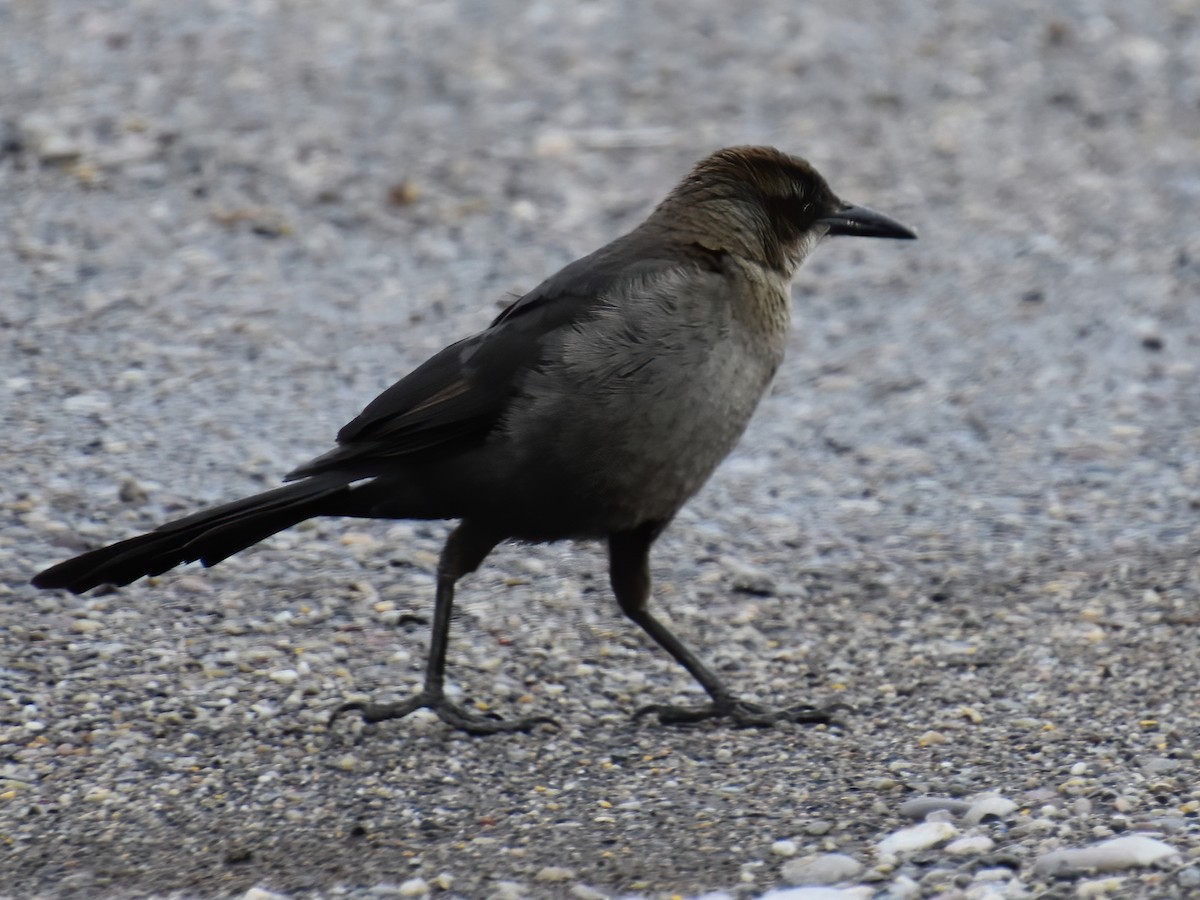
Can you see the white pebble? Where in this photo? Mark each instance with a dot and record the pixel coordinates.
(918, 837)
(1099, 887)
(828, 868)
(996, 873)
(264, 709)
(414, 887)
(820, 893)
(784, 848)
(967, 846)
(285, 676)
(1189, 877)
(1144, 52)
(988, 806)
(1119, 853)
(86, 403)
(554, 874)
(257, 893)
(508, 890)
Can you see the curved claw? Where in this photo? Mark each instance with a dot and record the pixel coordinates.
(452, 714)
(740, 713)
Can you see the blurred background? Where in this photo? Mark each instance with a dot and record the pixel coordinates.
(339, 173)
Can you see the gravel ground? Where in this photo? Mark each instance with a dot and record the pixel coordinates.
(969, 511)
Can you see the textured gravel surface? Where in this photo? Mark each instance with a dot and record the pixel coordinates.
(969, 511)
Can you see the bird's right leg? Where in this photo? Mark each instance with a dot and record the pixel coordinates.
(629, 571)
(465, 549)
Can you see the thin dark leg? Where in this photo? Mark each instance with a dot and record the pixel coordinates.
(629, 571)
(465, 549)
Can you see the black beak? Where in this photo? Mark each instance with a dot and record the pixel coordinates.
(858, 221)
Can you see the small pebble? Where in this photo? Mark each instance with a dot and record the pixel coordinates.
(967, 846)
(257, 893)
(414, 887)
(554, 874)
(920, 807)
(86, 403)
(820, 893)
(784, 848)
(1169, 824)
(508, 890)
(932, 739)
(1119, 853)
(1160, 765)
(989, 806)
(918, 837)
(828, 868)
(996, 873)
(1098, 888)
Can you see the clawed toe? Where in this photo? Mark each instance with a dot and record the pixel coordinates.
(739, 713)
(452, 714)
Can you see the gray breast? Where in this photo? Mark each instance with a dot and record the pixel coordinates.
(644, 400)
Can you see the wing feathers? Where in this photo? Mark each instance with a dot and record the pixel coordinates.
(455, 399)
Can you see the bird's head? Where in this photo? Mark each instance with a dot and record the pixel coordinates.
(767, 205)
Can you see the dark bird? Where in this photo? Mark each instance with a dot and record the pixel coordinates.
(594, 406)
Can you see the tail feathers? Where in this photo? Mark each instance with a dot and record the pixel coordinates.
(209, 536)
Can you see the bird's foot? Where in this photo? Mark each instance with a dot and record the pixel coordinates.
(739, 713)
(452, 714)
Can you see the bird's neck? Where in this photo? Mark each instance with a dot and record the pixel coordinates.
(725, 225)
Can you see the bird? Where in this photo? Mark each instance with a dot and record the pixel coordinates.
(591, 408)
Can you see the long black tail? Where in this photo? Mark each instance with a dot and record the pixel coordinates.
(210, 536)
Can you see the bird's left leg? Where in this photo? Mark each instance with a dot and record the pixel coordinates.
(629, 572)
